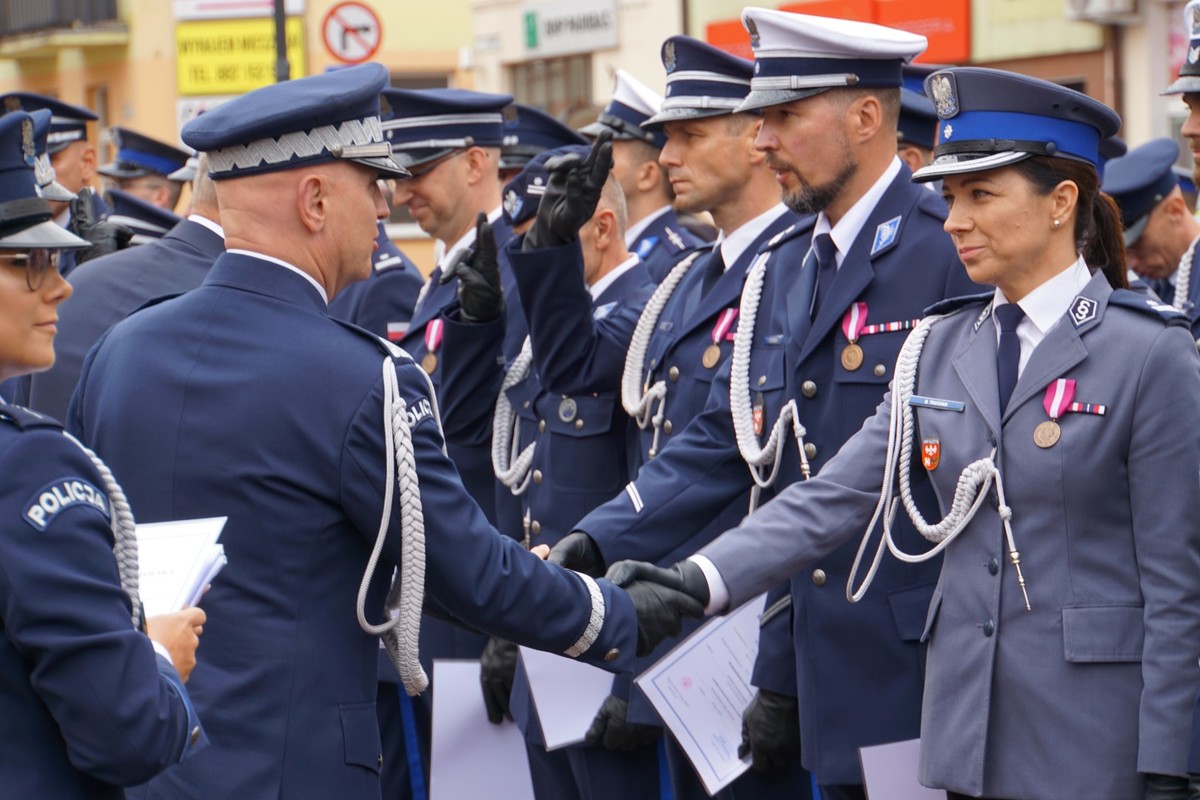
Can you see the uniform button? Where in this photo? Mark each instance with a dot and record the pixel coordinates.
(993, 567)
(578, 424)
(525, 404)
(541, 426)
(989, 628)
(673, 373)
(535, 527)
(880, 370)
(612, 655)
(537, 476)
(818, 577)
(379, 760)
(808, 389)
(762, 379)
(810, 451)
(653, 363)
(196, 735)
(992, 439)
(667, 426)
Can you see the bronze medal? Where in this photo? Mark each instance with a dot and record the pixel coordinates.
(429, 362)
(852, 357)
(712, 356)
(1047, 434)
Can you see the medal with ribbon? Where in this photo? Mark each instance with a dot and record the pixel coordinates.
(1059, 395)
(720, 331)
(854, 325)
(433, 340)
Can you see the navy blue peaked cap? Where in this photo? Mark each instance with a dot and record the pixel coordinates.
(146, 220)
(702, 81)
(1139, 181)
(314, 120)
(25, 216)
(989, 118)
(523, 194)
(425, 124)
(68, 123)
(632, 104)
(529, 131)
(139, 155)
(918, 121)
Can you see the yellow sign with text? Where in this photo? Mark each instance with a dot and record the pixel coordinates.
(233, 56)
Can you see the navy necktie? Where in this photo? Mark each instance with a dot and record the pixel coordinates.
(826, 253)
(1008, 356)
(714, 268)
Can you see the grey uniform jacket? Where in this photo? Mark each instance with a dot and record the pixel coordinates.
(1095, 684)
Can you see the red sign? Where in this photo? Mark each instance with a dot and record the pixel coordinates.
(351, 32)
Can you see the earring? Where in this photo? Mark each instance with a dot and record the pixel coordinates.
(1057, 223)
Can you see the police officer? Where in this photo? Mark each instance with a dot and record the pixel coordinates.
(88, 705)
(146, 221)
(655, 234)
(142, 167)
(820, 323)
(1032, 428)
(290, 440)
(915, 132)
(110, 288)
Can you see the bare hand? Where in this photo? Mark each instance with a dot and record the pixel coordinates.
(179, 632)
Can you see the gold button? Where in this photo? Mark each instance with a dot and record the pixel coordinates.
(810, 450)
(612, 655)
(673, 373)
(535, 527)
(667, 427)
(541, 426)
(880, 370)
(196, 735)
(762, 379)
(578, 424)
(537, 476)
(819, 577)
(808, 389)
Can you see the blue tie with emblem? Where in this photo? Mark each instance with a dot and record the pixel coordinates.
(826, 253)
(1008, 356)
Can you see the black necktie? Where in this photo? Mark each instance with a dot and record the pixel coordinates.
(826, 253)
(714, 268)
(1008, 357)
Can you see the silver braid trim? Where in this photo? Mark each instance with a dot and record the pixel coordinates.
(595, 620)
(764, 462)
(401, 631)
(332, 139)
(511, 465)
(637, 398)
(1183, 279)
(124, 529)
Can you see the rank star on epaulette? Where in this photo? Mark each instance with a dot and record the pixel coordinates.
(675, 238)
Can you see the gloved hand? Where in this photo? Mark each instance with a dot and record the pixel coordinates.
(1194, 786)
(498, 665)
(572, 192)
(770, 731)
(478, 273)
(106, 237)
(615, 732)
(1166, 787)
(579, 552)
(661, 597)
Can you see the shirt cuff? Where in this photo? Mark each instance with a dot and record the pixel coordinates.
(718, 592)
(161, 649)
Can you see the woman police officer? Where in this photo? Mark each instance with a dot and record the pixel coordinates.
(1058, 420)
(86, 705)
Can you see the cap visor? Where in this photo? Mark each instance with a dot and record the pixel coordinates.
(185, 174)
(1134, 231)
(388, 168)
(408, 159)
(1185, 84)
(959, 164)
(775, 97)
(656, 122)
(57, 192)
(115, 171)
(43, 234)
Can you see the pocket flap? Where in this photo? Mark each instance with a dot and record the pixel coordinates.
(1103, 633)
(577, 416)
(360, 730)
(910, 610)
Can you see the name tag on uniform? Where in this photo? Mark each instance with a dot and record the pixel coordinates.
(937, 403)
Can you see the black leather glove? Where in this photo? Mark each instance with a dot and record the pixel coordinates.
(770, 731)
(579, 552)
(106, 237)
(1165, 787)
(1194, 786)
(478, 271)
(611, 729)
(572, 192)
(498, 665)
(661, 597)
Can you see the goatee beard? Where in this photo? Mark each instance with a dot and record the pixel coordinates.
(810, 199)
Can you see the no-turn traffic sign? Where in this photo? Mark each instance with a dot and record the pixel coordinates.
(352, 32)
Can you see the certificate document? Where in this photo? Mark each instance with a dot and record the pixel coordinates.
(701, 688)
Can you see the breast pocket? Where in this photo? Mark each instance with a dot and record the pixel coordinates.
(587, 455)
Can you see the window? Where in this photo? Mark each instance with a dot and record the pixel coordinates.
(557, 85)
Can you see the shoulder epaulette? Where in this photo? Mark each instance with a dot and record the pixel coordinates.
(933, 205)
(675, 239)
(25, 419)
(385, 347)
(1149, 306)
(952, 304)
(153, 301)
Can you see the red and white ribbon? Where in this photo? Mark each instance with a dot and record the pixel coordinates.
(854, 321)
(725, 321)
(1058, 397)
(433, 335)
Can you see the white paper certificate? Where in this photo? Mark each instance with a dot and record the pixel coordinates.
(701, 688)
(566, 695)
(176, 561)
(890, 772)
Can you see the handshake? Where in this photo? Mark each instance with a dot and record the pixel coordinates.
(661, 596)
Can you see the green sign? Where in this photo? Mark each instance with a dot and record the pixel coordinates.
(531, 30)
